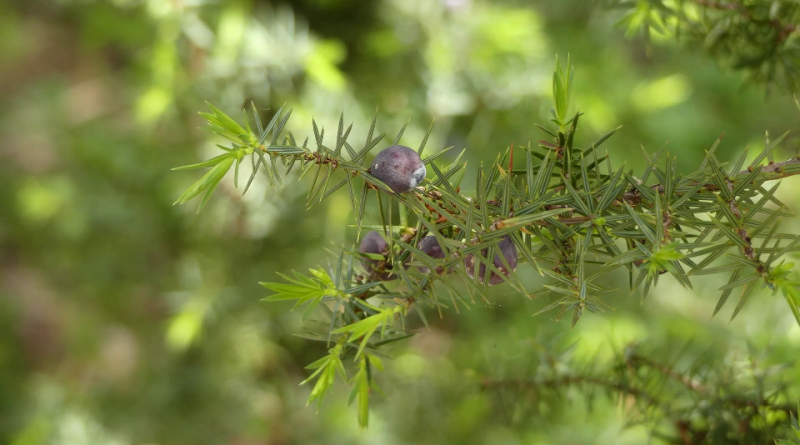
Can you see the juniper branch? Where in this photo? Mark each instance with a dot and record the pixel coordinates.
(773, 171)
(560, 213)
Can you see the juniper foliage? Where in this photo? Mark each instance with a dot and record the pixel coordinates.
(681, 398)
(574, 217)
(758, 37)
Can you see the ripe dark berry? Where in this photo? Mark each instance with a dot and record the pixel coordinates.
(373, 242)
(399, 167)
(430, 246)
(509, 251)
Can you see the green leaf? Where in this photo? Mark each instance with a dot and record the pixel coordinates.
(746, 292)
(425, 139)
(400, 133)
(285, 150)
(366, 327)
(326, 370)
(644, 226)
(768, 147)
(207, 182)
(211, 162)
(596, 144)
(361, 384)
(304, 290)
(224, 121)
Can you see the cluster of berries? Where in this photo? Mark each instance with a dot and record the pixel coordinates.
(402, 169)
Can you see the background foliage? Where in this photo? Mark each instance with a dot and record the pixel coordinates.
(127, 320)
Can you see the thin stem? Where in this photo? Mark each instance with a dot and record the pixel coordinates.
(633, 197)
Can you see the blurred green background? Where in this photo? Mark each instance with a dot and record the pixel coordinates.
(127, 320)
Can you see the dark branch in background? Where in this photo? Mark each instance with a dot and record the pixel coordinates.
(717, 5)
(735, 413)
(757, 37)
(784, 30)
